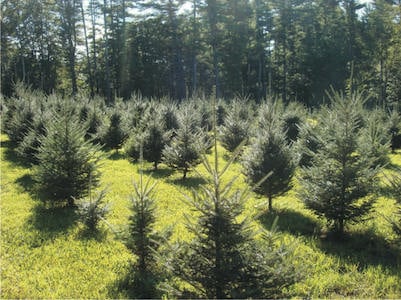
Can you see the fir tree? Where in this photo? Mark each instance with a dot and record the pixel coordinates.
(374, 138)
(153, 139)
(187, 145)
(114, 135)
(28, 147)
(269, 154)
(293, 119)
(68, 165)
(223, 260)
(308, 143)
(93, 210)
(340, 182)
(236, 126)
(143, 240)
(395, 130)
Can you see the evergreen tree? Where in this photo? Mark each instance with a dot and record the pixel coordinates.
(68, 165)
(340, 182)
(222, 260)
(269, 154)
(236, 128)
(185, 149)
(375, 138)
(293, 119)
(153, 139)
(114, 135)
(308, 143)
(93, 210)
(143, 240)
(28, 147)
(395, 130)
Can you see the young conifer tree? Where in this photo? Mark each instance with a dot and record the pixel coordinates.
(153, 138)
(223, 259)
(236, 126)
(114, 134)
(68, 165)
(187, 145)
(340, 182)
(143, 240)
(269, 154)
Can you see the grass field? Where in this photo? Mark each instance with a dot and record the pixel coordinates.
(45, 252)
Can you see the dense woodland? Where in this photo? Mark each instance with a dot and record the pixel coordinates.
(293, 49)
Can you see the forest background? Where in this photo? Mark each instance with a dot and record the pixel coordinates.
(293, 49)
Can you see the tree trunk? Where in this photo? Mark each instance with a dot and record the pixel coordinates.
(106, 58)
(195, 35)
(270, 202)
(93, 21)
(88, 62)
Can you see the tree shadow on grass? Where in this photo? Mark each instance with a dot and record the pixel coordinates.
(27, 183)
(363, 248)
(132, 286)
(189, 182)
(116, 156)
(52, 221)
(10, 155)
(290, 221)
(159, 173)
(99, 234)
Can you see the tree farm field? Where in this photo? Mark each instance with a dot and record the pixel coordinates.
(46, 252)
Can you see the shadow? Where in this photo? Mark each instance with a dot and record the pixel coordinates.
(132, 285)
(11, 155)
(386, 191)
(189, 182)
(291, 221)
(392, 167)
(99, 234)
(362, 248)
(52, 221)
(27, 183)
(159, 173)
(116, 156)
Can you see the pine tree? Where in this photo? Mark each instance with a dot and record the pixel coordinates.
(223, 260)
(236, 128)
(185, 149)
(340, 182)
(395, 130)
(143, 240)
(375, 138)
(269, 154)
(114, 134)
(293, 119)
(153, 139)
(68, 165)
(308, 143)
(28, 147)
(93, 210)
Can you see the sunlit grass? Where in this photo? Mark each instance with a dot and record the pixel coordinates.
(45, 252)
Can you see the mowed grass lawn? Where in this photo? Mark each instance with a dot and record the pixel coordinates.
(46, 253)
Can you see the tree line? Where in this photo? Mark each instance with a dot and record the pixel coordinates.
(293, 49)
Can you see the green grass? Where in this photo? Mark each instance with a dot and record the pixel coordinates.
(45, 252)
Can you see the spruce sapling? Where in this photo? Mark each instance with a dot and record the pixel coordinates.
(340, 183)
(68, 165)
